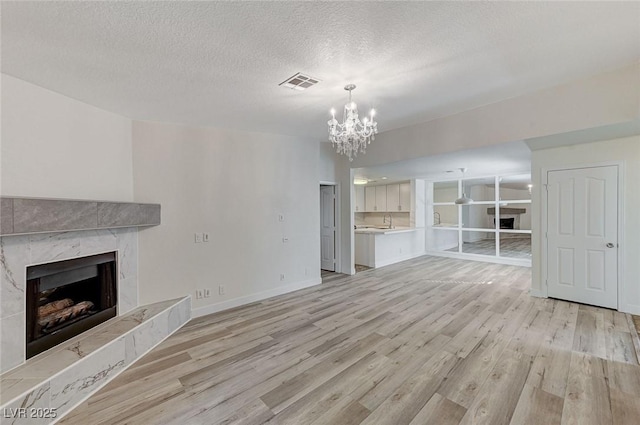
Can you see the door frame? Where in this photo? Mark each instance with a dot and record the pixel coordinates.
(336, 212)
(544, 211)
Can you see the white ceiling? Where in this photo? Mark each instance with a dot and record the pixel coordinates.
(502, 159)
(220, 63)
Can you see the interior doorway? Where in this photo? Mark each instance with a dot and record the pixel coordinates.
(328, 228)
(582, 235)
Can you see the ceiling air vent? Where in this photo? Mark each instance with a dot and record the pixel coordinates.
(299, 82)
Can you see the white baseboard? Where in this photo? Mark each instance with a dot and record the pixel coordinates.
(630, 308)
(394, 260)
(237, 302)
(537, 293)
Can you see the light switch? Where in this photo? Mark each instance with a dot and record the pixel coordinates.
(280, 217)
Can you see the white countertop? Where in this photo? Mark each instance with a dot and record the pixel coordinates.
(384, 231)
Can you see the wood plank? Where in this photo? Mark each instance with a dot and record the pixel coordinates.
(407, 401)
(439, 411)
(625, 408)
(499, 395)
(537, 407)
(587, 399)
(589, 336)
(633, 330)
(347, 412)
(293, 389)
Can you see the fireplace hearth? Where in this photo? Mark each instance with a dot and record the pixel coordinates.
(68, 297)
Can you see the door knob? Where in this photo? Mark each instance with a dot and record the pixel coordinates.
(610, 245)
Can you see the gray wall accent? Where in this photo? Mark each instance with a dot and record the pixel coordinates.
(36, 215)
(6, 216)
(116, 214)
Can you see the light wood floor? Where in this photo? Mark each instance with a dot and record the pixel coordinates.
(517, 247)
(428, 341)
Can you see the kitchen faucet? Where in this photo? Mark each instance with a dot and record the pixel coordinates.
(384, 220)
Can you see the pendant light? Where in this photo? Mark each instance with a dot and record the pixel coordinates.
(463, 200)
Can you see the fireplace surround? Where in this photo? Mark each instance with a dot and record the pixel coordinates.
(36, 231)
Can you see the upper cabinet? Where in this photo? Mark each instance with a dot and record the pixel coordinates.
(370, 198)
(389, 198)
(360, 206)
(405, 197)
(393, 197)
(399, 197)
(381, 198)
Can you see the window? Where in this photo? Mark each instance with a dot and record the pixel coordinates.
(496, 224)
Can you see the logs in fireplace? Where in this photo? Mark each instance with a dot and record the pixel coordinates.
(66, 298)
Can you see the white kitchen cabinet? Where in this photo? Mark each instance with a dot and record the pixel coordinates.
(360, 205)
(393, 197)
(405, 197)
(385, 198)
(381, 198)
(370, 199)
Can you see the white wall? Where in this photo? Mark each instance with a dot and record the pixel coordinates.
(601, 100)
(56, 147)
(626, 150)
(327, 162)
(232, 185)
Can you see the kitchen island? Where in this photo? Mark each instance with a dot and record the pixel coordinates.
(376, 246)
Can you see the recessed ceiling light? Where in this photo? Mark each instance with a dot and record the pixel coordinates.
(299, 81)
(383, 178)
(360, 181)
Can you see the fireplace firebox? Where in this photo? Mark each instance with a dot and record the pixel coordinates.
(506, 223)
(68, 297)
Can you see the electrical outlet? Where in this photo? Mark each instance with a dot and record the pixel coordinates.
(199, 294)
(207, 292)
(198, 237)
(285, 239)
(205, 237)
(221, 289)
(281, 276)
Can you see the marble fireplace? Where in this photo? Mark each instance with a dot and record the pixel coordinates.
(20, 252)
(69, 268)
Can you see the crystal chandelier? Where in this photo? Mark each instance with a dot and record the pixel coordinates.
(352, 135)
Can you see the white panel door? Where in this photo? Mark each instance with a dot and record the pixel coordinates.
(327, 228)
(582, 235)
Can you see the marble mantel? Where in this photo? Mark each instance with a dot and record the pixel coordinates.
(20, 216)
(507, 211)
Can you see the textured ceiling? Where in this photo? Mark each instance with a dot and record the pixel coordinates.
(219, 63)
